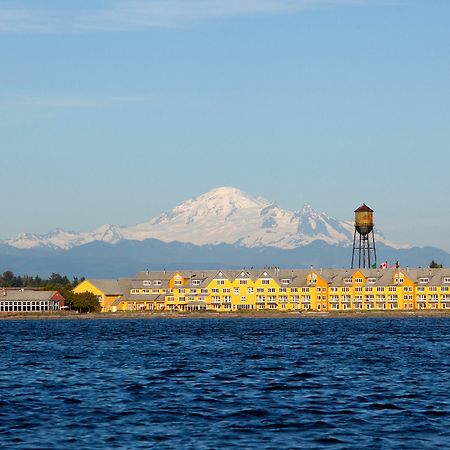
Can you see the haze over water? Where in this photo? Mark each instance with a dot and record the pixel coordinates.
(225, 383)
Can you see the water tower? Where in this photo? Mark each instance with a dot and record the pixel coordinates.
(364, 251)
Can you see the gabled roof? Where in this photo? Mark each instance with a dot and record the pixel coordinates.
(364, 208)
(25, 295)
(107, 286)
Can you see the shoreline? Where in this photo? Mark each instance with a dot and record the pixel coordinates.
(230, 315)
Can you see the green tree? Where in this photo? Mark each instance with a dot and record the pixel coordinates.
(7, 278)
(84, 302)
(435, 265)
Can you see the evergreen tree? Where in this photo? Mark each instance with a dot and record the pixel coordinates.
(435, 265)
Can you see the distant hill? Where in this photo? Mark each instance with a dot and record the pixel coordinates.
(99, 259)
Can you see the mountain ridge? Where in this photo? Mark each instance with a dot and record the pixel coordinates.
(222, 215)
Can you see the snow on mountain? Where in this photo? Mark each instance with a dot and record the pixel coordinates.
(223, 215)
(66, 239)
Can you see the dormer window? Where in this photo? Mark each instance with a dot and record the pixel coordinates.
(196, 282)
(285, 281)
(447, 280)
(147, 283)
(424, 280)
(347, 280)
(371, 280)
(157, 282)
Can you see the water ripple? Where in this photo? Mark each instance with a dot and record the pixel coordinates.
(209, 383)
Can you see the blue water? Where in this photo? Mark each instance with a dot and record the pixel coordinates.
(225, 383)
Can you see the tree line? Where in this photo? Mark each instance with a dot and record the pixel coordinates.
(83, 303)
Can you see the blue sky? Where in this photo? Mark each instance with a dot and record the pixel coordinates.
(117, 111)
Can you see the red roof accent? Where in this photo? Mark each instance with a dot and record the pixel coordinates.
(364, 208)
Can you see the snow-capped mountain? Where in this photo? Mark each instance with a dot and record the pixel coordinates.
(66, 239)
(223, 215)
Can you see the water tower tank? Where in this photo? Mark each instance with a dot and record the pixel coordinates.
(364, 220)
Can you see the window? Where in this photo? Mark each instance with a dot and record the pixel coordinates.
(447, 280)
(358, 289)
(358, 280)
(147, 283)
(250, 290)
(294, 290)
(226, 290)
(305, 289)
(333, 289)
(347, 280)
(271, 290)
(220, 282)
(157, 282)
(135, 291)
(424, 280)
(215, 290)
(260, 290)
(371, 280)
(146, 291)
(282, 290)
(196, 282)
(265, 281)
(243, 282)
(177, 283)
(285, 281)
(236, 290)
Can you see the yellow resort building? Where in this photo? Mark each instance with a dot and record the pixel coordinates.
(319, 290)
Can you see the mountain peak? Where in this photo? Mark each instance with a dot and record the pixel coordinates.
(222, 215)
(307, 210)
(231, 196)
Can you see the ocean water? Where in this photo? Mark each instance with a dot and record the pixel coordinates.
(225, 383)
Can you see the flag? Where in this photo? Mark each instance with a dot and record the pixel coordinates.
(384, 265)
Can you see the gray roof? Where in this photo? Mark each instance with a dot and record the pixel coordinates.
(107, 286)
(24, 295)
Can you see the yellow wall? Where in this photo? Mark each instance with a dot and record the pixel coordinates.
(104, 300)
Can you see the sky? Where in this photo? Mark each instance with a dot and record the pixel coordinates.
(114, 111)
